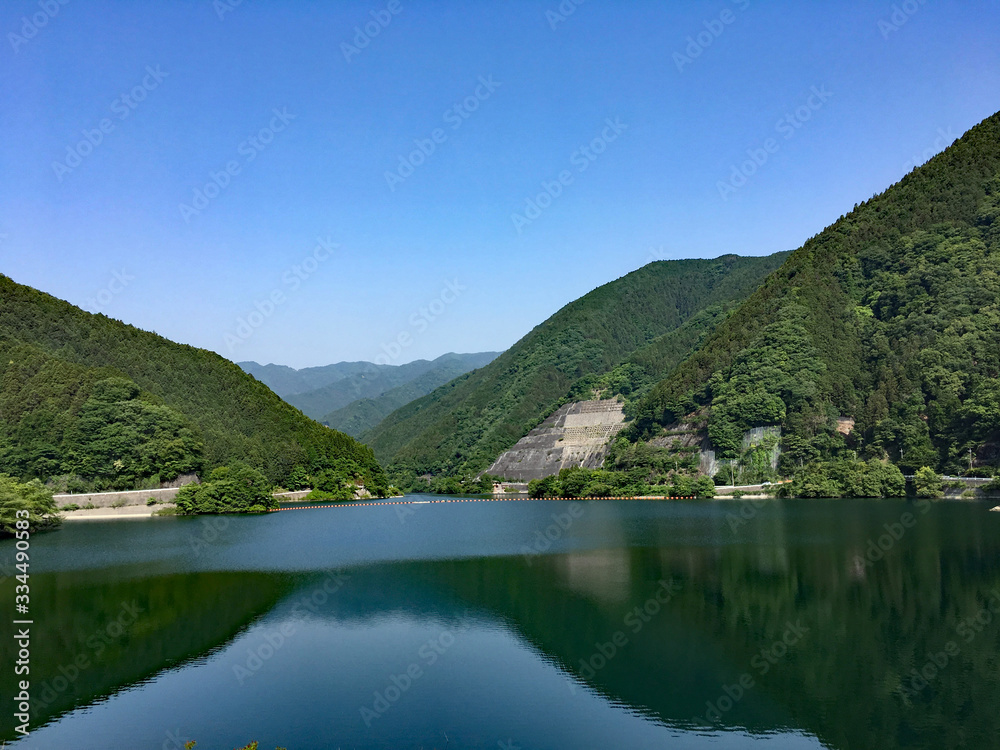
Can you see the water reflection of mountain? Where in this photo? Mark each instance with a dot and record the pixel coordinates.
(101, 631)
(867, 623)
(848, 679)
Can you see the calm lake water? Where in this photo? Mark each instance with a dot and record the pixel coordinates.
(530, 624)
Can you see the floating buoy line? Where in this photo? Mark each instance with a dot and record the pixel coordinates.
(313, 506)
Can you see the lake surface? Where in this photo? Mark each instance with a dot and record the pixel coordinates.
(529, 624)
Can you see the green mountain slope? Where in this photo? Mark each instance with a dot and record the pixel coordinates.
(88, 397)
(644, 368)
(364, 414)
(889, 317)
(375, 380)
(466, 423)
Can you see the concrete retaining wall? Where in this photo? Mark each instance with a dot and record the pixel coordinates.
(116, 499)
(291, 497)
(140, 497)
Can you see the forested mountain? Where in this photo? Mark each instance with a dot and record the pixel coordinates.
(95, 402)
(889, 317)
(364, 414)
(465, 424)
(343, 383)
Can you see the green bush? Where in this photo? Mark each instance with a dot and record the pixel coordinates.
(339, 494)
(580, 482)
(846, 478)
(229, 489)
(928, 483)
(546, 487)
(30, 498)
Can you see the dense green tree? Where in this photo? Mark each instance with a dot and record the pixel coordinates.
(229, 489)
(544, 487)
(18, 498)
(928, 483)
(846, 478)
(581, 482)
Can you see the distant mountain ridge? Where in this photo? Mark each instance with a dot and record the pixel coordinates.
(364, 414)
(287, 381)
(318, 391)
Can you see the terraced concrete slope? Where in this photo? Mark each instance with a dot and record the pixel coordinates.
(577, 434)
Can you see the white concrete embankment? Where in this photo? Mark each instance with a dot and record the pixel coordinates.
(133, 503)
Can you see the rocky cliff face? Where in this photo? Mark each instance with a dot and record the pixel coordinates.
(576, 434)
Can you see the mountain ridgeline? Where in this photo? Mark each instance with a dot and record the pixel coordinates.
(322, 392)
(889, 318)
(88, 402)
(664, 307)
(364, 414)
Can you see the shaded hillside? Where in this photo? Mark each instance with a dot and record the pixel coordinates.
(364, 414)
(372, 383)
(55, 359)
(644, 368)
(91, 425)
(889, 316)
(466, 423)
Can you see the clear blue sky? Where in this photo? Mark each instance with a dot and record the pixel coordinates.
(892, 94)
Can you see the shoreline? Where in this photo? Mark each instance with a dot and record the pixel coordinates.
(104, 514)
